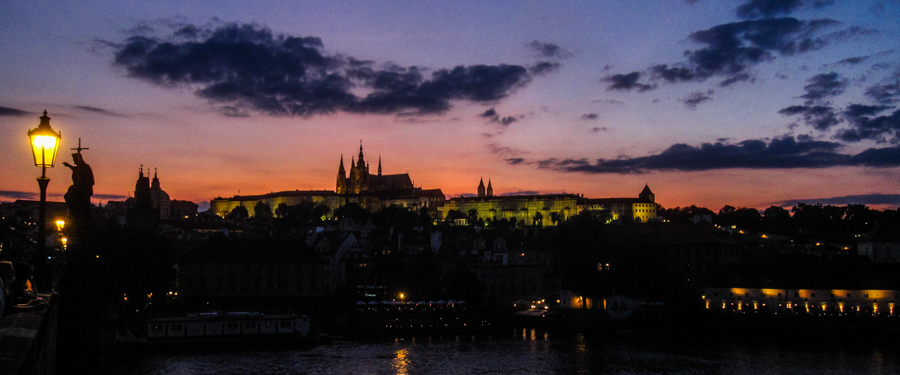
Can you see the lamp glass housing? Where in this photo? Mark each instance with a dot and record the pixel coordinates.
(44, 145)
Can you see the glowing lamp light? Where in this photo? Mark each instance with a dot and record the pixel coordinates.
(60, 224)
(44, 143)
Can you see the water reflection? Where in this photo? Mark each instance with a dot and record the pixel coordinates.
(401, 362)
(528, 351)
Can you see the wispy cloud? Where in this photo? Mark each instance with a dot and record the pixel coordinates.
(860, 121)
(493, 116)
(697, 97)
(16, 194)
(866, 199)
(6, 111)
(627, 82)
(729, 50)
(548, 50)
(97, 110)
(824, 86)
(111, 197)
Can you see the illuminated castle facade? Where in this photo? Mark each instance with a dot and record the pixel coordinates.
(551, 209)
(374, 191)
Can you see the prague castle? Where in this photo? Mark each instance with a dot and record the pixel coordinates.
(371, 191)
(376, 191)
(550, 209)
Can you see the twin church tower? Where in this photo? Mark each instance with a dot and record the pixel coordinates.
(481, 191)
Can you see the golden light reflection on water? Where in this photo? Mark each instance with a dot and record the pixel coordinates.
(582, 358)
(401, 362)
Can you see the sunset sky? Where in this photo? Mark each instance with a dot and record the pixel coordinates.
(747, 102)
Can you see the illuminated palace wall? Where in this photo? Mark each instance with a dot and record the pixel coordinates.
(522, 208)
(813, 301)
(222, 206)
(525, 207)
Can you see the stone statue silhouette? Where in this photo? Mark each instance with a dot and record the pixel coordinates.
(78, 197)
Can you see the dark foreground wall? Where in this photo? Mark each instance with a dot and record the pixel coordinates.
(28, 338)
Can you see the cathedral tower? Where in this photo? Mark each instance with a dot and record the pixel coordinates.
(358, 181)
(481, 188)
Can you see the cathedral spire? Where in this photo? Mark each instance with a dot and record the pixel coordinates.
(481, 187)
(379, 165)
(490, 189)
(341, 183)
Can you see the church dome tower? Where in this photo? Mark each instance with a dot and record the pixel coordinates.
(159, 199)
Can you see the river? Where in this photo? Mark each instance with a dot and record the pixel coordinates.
(527, 351)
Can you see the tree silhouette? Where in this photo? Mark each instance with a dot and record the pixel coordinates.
(473, 216)
(352, 211)
(239, 213)
(454, 215)
(262, 211)
(555, 218)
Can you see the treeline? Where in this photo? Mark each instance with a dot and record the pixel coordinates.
(849, 220)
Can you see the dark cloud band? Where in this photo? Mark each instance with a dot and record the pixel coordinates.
(769, 8)
(245, 67)
(6, 111)
(782, 153)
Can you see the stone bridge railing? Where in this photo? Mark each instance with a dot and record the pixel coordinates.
(28, 338)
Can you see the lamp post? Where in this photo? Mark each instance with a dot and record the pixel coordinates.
(60, 224)
(44, 144)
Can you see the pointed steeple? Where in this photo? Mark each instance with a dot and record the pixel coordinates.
(490, 189)
(647, 195)
(379, 165)
(481, 187)
(155, 183)
(341, 183)
(361, 163)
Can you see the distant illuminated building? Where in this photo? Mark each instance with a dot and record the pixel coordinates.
(551, 209)
(151, 203)
(641, 209)
(371, 191)
(803, 301)
(376, 191)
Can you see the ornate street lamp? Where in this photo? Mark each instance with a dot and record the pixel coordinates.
(44, 145)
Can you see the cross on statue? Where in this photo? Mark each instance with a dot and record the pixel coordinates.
(79, 148)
